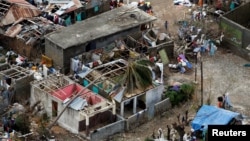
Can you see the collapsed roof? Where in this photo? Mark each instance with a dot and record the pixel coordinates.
(13, 10)
(63, 7)
(31, 29)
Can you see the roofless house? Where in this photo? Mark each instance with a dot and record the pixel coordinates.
(93, 33)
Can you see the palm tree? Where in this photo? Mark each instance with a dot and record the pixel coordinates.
(137, 76)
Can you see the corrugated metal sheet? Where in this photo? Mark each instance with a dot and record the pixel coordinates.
(118, 97)
(14, 30)
(78, 104)
(77, 3)
(18, 9)
(69, 7)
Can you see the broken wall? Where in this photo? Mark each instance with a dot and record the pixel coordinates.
(20, 81)
(39, 95)
(236, 37)
(105, 131)
(20, 47)
(22, 88)
(153, 96)
(69, 119)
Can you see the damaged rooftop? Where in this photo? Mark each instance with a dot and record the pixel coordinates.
(107, 23)
(12, 10)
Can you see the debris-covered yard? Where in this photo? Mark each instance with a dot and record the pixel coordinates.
(217, 71)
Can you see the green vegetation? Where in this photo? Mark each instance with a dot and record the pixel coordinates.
(148, 139)
(184, 93)
(42, 130)
(137, 76)
(22, 123)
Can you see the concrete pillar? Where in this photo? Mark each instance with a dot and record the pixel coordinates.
(122, 109)
(134, 105)
(114, 107)
(87, 125)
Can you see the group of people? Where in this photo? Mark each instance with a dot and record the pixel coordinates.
(115, 3)
(145, 6)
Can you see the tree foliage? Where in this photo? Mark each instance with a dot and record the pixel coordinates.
(185, 93)
(22, 123)
(137, 76)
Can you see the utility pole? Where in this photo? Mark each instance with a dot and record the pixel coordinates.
(195, 67)
(201, 83)
(195, 79)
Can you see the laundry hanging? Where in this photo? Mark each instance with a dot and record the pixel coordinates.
(79, 17)
(68, 21)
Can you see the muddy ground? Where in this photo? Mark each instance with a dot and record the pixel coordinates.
(223, 72)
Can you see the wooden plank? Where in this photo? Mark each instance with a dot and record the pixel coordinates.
(6, 9)
(4, 4)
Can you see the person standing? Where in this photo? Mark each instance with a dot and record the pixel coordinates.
(113, 4)
(168, 132)
(220, 102)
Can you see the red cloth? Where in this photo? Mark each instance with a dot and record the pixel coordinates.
(113, 3)
(95, 64)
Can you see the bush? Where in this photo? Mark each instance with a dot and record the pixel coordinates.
(185, 93)
(22, 123)
(42, 130)
(187, 90)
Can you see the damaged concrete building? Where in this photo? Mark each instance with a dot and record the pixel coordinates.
(65, 12)
(83, 114)
(105, 28)
(106, 77)
(21, 28)
(19, 79)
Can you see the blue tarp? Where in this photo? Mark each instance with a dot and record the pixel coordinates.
(212, 115)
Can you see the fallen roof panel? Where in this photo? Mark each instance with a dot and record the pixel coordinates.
(14, 30)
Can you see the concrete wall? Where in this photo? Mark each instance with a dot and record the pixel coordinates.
(69, 119)
(235, 14)
(162, 106)
(20, 47)
(38, 95)
(54, 52)
(106, 131)
(22, 88)
(236, 34)
(130, 123)
(236, 37)
(137, 119)
(62, 57)
(142, 116)
(68, 54)
(153, 96)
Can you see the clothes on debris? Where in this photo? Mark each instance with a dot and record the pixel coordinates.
(183, 2)
(68, 21)
(54, 18)
(182, 64)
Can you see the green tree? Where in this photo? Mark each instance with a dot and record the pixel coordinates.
(137, 76)
(22, 123)
(185, 92)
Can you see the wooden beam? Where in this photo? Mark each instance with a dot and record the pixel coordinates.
(4, 4)
(6, 9)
